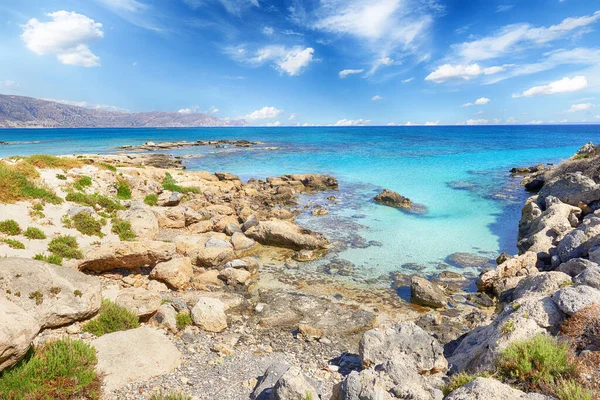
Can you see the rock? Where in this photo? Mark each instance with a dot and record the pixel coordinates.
(169, 199)
(502, 258)
(584, 151)
(572, 188)
(578, 242)
(241, 241)
(503, 277)
(143, 221)
(272, 374)
(17, 331)
(128, 255)
(393, 199)
(232, 228)
(541, 284)
(589, 277)
(54, 295)
(157, 286)
(165, 317)
(293, 385)
(72, 211)
(134, 356)
(142, 302)
(379, 344)
(573, 298)
(286, 234)
(235, 276)
(248, 263)
(209, 314)
(491, 389)
(425, 293)
(176, 272)
(575, 266)
(226, 176)
(201, 226)
(174, 218)
(468, 260)
(251, 221)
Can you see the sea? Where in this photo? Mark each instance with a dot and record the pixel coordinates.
(460, 173)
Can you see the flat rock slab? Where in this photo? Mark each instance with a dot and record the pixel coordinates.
(134, 355)
(128, 255)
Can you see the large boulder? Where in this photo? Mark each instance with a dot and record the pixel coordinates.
(543, 284)
(427, 294)
(143, 221)
(265, 384)
(128, 255)
(573, 298)
(508, 274)
(176, 272)
(54, 295)
(286, 234)
(491, 389)
(17, 331)
(205, 251)
(572, 188)
(294, 385)
(134, 356)
(209, 314)
(392, 199)
(142, 302)
(578, 242)
(575, 266)
(171, 217)
(589, 277)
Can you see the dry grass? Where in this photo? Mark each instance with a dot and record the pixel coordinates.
(43, 161)
(18, 182)
(583, 328)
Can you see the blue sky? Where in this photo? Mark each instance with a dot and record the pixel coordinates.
(317, 62)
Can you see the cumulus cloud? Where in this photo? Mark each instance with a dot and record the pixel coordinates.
(511, 120)
(352, 122)
(68, 36)
(479, 102)
(449, 72)
(264, 113)
(295, 60)
(563, 85)
(345, 72)
(376, 98)
(535, 122)
(289, 60)
(581, 107)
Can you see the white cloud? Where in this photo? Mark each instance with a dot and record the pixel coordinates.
(448, 72)
(581, 107)
(67, 36)
(383, 61)
(189, 110)
(345, 72)
(480, 121)
(276, 123)
(125, 5)
(291, 61)
(232, 6)
(352, 122)
(563, 85)
(267, 30)
(292, 117)
(511, 120)
(213, 110)
(408, 80)
(433, 123)
(504, 7)
(9, 84)
(479, 102)
(535, 122)
(376, 98)
(296, 60)
(264, 113)
(85, 104)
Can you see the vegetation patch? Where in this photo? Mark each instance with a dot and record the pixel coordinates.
(65, 247)
(459, 380)
(37, 211)
(123, 229)
(183, 319)
(108, 167)
(51, 259)
(151, 199)
(61, 177)
(17, 182)
(82, 182)
(44, 161)
(123, 190)
(37, 296)
(169, 183)
(583, 328)
(93, 200)
(10, 227)
(112, 318)
(62, 369)
(34, 233)
(14, 244)
(87, 224)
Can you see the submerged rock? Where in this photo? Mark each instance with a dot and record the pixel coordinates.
(392, 199)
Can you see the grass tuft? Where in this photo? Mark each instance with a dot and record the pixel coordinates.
(169, 183)
(82, 182)
(108, 167)
(459, 380)
(112, 318)
(183, 319)
(151, 199)
(93, 200)
(10, 227)
(13, 244)
(123, 229)
(123, 190)
(87, 224)
(43, 161)
(51, 259)
(34, 233)
(65, 246)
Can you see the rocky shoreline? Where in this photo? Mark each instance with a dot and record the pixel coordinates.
(226, 257)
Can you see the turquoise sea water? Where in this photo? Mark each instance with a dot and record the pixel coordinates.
(459, 173)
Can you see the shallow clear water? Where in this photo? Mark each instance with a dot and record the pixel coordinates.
(431, 165)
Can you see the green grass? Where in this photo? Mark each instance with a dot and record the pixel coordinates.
(183, 319)
(169, 183)
(123, 190)
(110, 205)
(151, 199)
(123, 229)
(459, 380)
(17, 182)
(508, 327)
(112, 318)
(65, 246)
(62, 369)
(13, 244)
(87, 224)
(169, 396)
(10, 227)
(61, 177)
(82, 182)
(34, 233)
(47, 161)
(51, 259)
(568, 389)
(108, 167)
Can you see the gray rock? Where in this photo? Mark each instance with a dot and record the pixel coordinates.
(250, 222)
(169, 199)
(427, 294)
(80, 209)
(572, 188)
(214, 242)
(543, 284)
(17, 331)
(573, 298)
(508, 274)
(272, 374)
(491, 389)
(165, 317)
(575, 266)
(294, 385)
(143, 221)
(241, 241)
(469, 260)
(589, 277)
(232, 228)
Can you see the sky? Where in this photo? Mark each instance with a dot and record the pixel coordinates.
(311, 62)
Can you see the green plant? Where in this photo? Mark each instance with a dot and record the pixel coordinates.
(123, 190)
(34, 233)
(51, 259)
(123, 229)
(13, 244)
(17, 182)
(109, 167)
(93, 200)
(77, 293)
(62, 369)
(565, 283)
(10, 227)
(169, 183)
(169, 396)
(38, 207)
(508, 327)
(87, 224)
(65, 246)
(47, 161)
(183, 319)
(82, 182)
(459, 380)
(569, 389)
(37, 296)
(516, 306)
(151, 199)
(61, 177)
(112, 318)
(55, 290)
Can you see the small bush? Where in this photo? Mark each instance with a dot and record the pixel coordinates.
(583, 328)
(459, 380)
(169, 396)
(38, 207)
(87, 224)
(169, 183)
(110, 205)
(51, 259)
(508, 327)
(65, 246)
(151, 199)
(17, 183)
(13, 244)
(568, 389)
(61, 177)
(183, 319)
(123, 190)
(10, 227)
(123, 229)
(82, 182)
(108, 167)
(34, 233)
(62, 369)
(112, 318)
(37, 296)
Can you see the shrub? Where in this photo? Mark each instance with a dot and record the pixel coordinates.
(34, 233)
(47, 161)
(108, 167)
(62, 369)
(112, 318)
(51, 259)
(61, 177)
(123, 229)
(568, 389)
(123, 190)
(10, 227)
(183, 319)
(82, 182)
(169, 183)
(583, 328)
(87, 224)
(169, 396)
(38, 207)
(110, 205)
(14, 244)
(151, 199)
(459, 380)
(65, 246)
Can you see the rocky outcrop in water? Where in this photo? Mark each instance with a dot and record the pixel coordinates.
(392, 199)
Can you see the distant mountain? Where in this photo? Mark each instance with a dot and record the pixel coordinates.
(27, 112)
